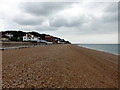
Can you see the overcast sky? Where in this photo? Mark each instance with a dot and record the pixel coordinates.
(78, 22)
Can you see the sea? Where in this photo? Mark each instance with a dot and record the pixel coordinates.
(110, 48)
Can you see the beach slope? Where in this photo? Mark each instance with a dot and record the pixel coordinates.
(58, 66)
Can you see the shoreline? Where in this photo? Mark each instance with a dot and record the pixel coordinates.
(59, 66)
(4, 47)
(18, 45)
(27, 46)
(103, 52)
(99, 50)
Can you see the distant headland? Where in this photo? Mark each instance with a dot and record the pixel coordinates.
(21, 36)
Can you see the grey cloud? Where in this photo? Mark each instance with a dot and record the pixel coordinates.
(110, 13)
(45, 28)
(78, 24)
(112, 7)
(28, 21)
(110, 17)
(64, 22)
(44, 8)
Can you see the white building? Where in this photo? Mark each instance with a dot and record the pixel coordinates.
(9, 35)
(30, 37)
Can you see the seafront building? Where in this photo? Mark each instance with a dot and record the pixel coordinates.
(30, 37)
(9, 35)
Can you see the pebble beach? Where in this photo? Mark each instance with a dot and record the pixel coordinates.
(59, 66)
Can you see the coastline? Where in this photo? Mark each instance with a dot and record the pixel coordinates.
(103, 53)
(59, 66)
(99, 49)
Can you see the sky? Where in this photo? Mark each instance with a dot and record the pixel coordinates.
(78, 22)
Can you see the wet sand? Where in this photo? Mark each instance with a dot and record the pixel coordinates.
(58, 66)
